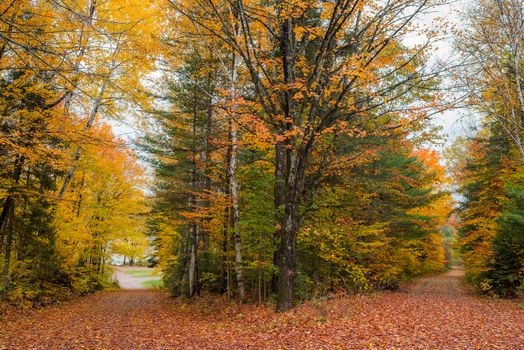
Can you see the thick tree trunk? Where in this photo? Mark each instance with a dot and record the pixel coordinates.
(292, 175)
(9, 201)
(7, 218)
(288, 256)
(295, 163)
(289, 225)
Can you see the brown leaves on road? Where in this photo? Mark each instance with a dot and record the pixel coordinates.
(433, 313)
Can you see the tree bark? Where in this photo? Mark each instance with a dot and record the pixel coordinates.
(9, 204)
(290, 224)
(193, 227)
(278, 193)
(232, 175)
(193, 262)
(288, 158)
(5, 210)
(234, 211)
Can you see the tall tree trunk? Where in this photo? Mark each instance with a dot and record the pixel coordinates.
(234, 211)
(233, 184)
(193, 262)
(278, 193)
(206, 172)
(290, 224)
(9, 201)
(6, 209)
(288, 256)
(193, 226)
(226, 275)
(293, 170)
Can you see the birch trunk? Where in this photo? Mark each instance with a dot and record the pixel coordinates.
(233, 184)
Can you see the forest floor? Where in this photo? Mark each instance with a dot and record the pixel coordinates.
(434, 312)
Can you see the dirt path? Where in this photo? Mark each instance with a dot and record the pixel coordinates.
(447, 285)
(131, 281)
(433, 313)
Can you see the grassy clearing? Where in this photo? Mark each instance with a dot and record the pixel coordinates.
(142, 273)
(153, 284)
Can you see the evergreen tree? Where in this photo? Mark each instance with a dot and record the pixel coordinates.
(505, 270)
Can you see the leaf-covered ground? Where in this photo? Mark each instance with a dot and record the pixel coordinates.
(433, 313)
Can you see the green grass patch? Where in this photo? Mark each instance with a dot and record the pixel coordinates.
(142, 273)
(153, 284)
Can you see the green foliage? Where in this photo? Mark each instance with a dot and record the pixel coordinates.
(505, 270)
(366, 231)
(490, 232)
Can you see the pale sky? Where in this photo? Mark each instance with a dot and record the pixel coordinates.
(453, 122)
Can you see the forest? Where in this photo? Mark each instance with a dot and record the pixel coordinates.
(261, 156)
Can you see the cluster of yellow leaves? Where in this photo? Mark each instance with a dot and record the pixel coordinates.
(103, 211)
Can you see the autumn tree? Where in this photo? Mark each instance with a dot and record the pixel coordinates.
(179, 144)
(505, 271)
(487, 169)
(376, 221)
(313, 67)
(492, 51)
(61, 62)
(29, 134)
(103, 210)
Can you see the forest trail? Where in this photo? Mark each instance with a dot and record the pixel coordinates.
(449, 284)
(432, 313)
